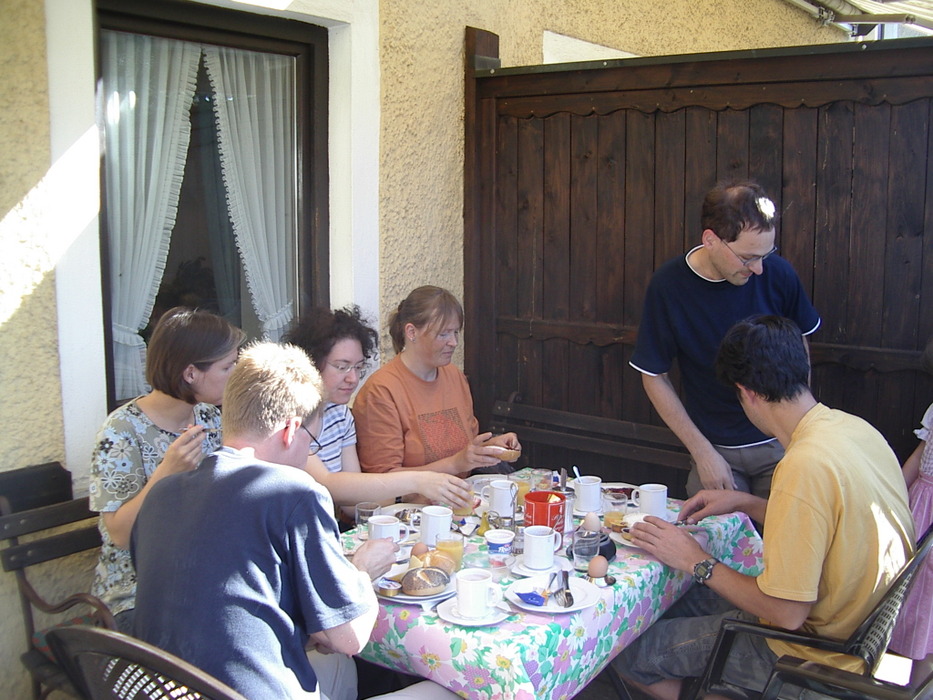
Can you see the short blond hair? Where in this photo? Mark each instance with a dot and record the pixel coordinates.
(271, 384)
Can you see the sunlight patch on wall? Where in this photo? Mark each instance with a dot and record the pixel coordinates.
(38, 231)
(560, 48)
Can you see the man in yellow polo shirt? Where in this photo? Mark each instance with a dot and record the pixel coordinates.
(837, 528)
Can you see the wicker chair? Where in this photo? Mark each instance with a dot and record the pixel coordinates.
(108, 665)
(868, 642)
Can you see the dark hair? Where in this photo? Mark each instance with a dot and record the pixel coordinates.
(318, 330)
(730, 208)
(765, 354)
(424, 306)
(185, 337)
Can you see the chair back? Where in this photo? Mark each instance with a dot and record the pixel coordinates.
(36, 504)
(17, 557)
(108, 665)
(870, 640)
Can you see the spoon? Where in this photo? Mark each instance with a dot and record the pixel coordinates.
(576, 471)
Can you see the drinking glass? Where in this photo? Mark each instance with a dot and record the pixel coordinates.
(541, 479)
(585, 547)
(364, 511)
(524, 486)
(464, 511)
(451, 544)
(615, 505)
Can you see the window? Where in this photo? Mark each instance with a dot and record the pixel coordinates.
(214, 178)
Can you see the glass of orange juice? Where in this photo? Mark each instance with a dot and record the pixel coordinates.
(524, 486)
(451, 544)
(465, 510)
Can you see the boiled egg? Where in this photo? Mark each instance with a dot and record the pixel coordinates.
(598, 566)
(591, 522)
(419, 550)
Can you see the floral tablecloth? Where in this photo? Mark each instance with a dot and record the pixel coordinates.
(531, 655)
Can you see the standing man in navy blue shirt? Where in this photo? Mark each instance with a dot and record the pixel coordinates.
(691, 302)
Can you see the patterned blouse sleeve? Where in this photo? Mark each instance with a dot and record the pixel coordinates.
(117, 465)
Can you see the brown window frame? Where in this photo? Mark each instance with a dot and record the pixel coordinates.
(308, 44)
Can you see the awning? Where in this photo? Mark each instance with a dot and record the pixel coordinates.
(864, 15)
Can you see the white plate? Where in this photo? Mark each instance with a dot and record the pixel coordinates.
(618, 539)
(425, 601)
(585, 594)
(448, 611)
(481, 480)
(519, 568)
(397, 508)
(617, 485)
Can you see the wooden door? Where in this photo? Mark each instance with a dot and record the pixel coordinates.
(581, 182)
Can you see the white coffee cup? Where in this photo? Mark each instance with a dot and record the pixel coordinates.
(499, 543)
(388, 526)
(501, 495)
(477, 594)
(540, 544)
(434, 521)
(651, 499)
(589, 494)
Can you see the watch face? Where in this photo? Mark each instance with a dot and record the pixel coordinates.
(704, 570)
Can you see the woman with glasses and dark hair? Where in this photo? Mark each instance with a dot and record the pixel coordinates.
(341, 345)
(416, 412)
(169, 430)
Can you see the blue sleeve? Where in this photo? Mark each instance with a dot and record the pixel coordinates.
(328, 588)
(797, 306)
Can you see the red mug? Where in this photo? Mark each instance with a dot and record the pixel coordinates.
(545, 508)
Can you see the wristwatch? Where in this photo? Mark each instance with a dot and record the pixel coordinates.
(703, 570)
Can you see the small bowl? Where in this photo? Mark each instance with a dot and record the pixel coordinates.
(480, 560)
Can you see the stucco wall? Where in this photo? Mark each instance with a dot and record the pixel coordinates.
(29, 377)
(421, 191)
(30, 410)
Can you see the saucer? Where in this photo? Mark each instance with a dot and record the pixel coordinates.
(519, 568)
(447, 611)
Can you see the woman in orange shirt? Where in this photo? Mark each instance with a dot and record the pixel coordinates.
(416, 412)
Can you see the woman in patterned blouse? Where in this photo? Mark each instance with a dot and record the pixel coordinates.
(168, 430)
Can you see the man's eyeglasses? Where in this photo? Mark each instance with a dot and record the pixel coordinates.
(361, 368)
(746, 261)
(315, 446)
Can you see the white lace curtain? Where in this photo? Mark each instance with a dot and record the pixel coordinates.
(146, 147)
(147, 87)
(254, 97)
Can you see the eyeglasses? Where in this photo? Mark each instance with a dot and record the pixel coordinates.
(315, 446)
(361, 368)
(746, 261)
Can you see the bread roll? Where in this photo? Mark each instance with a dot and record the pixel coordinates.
(628, 522)
(426, 581)
(439, 560)
(505, 454)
